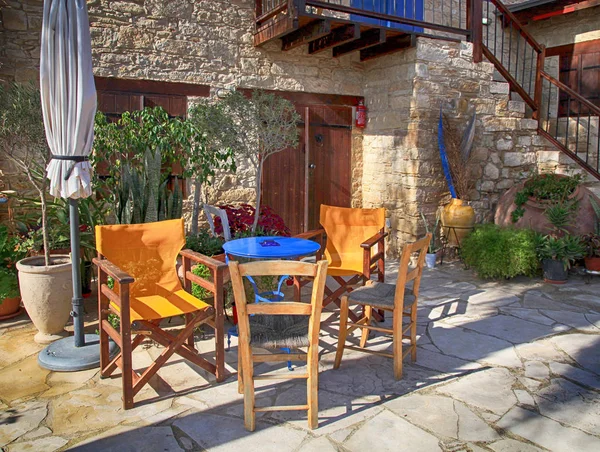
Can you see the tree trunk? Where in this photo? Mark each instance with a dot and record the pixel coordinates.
(45, 237)
(257, 207)
(196, 207)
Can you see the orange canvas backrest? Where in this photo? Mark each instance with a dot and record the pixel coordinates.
(346, 229)
(147, 252)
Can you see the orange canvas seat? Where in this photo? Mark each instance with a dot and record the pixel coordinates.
(142, 261)
(354, 247)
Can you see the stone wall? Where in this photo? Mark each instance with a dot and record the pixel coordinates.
(395, 160)
(404, 93)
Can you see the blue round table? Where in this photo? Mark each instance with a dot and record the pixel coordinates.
(270, 247)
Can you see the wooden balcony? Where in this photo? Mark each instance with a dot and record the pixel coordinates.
(372, 27)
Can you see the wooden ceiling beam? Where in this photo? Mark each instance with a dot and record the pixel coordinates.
(391, 45)
(368, 38)
(308, 33)
(338, 36)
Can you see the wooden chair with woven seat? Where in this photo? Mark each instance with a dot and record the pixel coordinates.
(398, 299)
(274, 325)
(354, 248)
(141, 259)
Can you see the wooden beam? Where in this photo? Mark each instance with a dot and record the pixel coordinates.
(369, 38)
(577, 48)
(133, 86)
(391, 45)
(567, 9)
(303, 98)
(338, 36)
(310, 32)
(275, 30)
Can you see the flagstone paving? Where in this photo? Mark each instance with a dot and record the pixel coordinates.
(502, 366)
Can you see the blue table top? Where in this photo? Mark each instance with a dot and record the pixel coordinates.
(270, 247)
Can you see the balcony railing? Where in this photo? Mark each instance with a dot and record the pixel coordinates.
(374, 21)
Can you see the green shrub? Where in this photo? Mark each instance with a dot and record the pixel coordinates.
(198, 291)
(9, 284)
(204, 243)
(495, 252)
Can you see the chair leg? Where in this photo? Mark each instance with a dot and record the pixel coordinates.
(365, 331)
(397, 343)
(312, 383)
(413, 332)
(127, 364)
(240, 376)
(343, 331)
(190, 339)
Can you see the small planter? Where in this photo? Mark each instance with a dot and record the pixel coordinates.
(10, 307)
(554, 271)
(47, 293)
(592, 264)
(430, 259)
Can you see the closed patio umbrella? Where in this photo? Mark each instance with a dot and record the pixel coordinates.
(68, 97)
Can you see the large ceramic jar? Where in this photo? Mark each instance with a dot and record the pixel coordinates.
(458, 220)
(46, 293)
(534, 217)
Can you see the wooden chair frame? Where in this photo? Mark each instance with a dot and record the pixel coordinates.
(247, 358)
(182, 343)
(372, 264)
(398, 331)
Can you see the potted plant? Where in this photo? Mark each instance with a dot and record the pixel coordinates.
(10, 300)
(433, 248)
(457, 217)
(591, 242)
(557, 254)
(45, 281)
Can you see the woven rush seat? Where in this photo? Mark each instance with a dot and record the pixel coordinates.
(379, 295)
(279, 331)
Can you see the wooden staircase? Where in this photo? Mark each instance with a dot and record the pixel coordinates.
(565, 118)
(374, 28)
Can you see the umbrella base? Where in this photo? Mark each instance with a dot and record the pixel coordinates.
(63, 356)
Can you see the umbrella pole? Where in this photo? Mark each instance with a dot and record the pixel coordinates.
(80, 351)
(77, 299)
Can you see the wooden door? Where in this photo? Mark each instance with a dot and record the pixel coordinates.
(297, 181)
(329, 182)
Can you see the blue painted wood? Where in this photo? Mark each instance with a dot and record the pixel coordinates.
(411, 9)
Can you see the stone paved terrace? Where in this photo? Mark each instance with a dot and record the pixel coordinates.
(502, 366)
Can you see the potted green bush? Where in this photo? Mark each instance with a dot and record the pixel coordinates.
(45, 281)
(10, 301)
(557, 254)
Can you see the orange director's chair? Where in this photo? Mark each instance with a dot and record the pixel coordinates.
(141, 260)
(354, 247)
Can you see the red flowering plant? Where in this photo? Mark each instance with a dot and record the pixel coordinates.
(241, 219)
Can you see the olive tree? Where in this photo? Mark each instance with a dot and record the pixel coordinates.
(213, 139)
(269, 125)
(23, 141)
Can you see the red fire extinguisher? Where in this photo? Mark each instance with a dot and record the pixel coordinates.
(361, 115)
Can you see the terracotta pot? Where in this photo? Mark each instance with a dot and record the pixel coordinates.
(46, 294)
(534, 217)
(458, 221)
(10, 307)
(592, 264)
